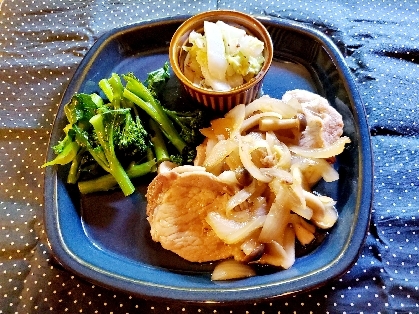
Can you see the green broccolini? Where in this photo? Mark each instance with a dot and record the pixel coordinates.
(105, 125)
(132, 139)
(78, 112)
(107, 134)
(181, 128)
(138, 93)
(111, 132)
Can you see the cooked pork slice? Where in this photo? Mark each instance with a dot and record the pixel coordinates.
(177, 206)
(324, 123)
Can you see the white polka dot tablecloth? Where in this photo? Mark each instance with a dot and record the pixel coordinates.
(41, 45)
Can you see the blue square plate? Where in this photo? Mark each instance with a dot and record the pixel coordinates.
(104, 237)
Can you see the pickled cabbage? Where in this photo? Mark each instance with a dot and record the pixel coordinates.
(222, 58)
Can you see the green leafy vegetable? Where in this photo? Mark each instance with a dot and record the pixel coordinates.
(106, 141)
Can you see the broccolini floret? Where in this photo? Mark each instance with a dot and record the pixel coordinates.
(132, 140)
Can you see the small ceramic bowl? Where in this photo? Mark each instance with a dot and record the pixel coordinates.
(220, 100)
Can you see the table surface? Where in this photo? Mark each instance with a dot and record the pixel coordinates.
(42, 43)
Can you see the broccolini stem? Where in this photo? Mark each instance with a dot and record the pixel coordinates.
(121, 177)
(141, 169)
(108, 182)
(150, 156)
(160, 149)
(106, 88)
(97, 154)
(140, 90)
(74, 172)
(156, 112)
(114, 166)
(115, 82)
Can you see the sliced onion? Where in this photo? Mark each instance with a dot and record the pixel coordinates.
(325, 152)
(233, 161)
(237, 116)
(279, 151)
(231, 231)
(231, 269)
(271, 139)
(289, 246)
(228, 177)
(303, 235)
(249, 246)
(312, 170)
(268, 104)
(282, 155)
(277, 219)
(219, 152)
(281, 174)
(246, 146)
(297, 175)
(259, 203)
(208, 132)
(241, 196)
(227, 126)
(294, 103)
(328, 173)
(274, 254)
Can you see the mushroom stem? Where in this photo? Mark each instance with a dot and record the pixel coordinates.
(275, 123)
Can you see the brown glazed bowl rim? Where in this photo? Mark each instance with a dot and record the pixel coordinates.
(229, 16)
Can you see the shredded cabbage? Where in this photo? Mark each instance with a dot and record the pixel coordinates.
(222, 58)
